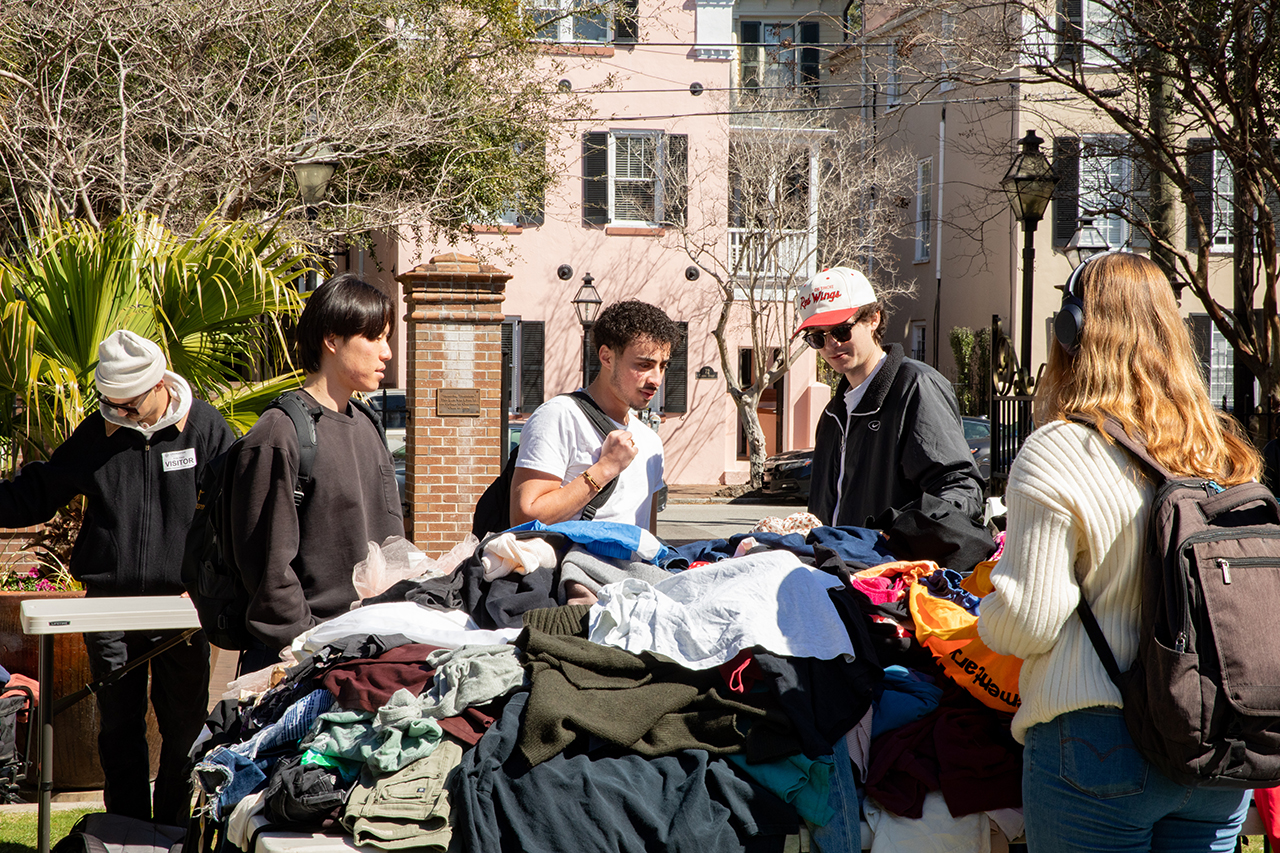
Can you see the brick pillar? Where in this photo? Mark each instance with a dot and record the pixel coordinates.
(454, 373)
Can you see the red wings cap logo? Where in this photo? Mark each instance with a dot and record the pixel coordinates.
(819, 296)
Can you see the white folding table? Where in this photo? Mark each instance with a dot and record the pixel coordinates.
(45, 617)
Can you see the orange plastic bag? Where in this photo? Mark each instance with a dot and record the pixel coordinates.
(950, 633)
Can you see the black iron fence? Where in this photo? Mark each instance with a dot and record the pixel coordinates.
(1010, 412)
(1012, 392)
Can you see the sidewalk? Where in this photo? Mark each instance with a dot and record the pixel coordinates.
(681, 494)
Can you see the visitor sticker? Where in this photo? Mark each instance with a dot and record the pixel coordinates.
(178, 460)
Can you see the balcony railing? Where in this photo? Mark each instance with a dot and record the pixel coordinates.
(762, 254)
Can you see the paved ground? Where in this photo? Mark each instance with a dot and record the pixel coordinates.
(687, 522)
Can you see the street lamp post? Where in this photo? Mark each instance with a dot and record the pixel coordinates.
(313, 168)
(1029, 185)
(1085, 243)
(586, 304)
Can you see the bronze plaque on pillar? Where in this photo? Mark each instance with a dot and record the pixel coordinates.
(458, 403)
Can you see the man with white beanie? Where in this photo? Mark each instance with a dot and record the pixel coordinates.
(889, 449)
(136, 460)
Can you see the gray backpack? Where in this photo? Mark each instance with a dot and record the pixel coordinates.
(1202, 699)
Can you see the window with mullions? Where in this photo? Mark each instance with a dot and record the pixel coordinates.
(1213, 188)
(1099, 179)
(634, 178)
(1105, 183)
(774, 58)
(1092, 32)
(525, 211)
(924, 209)
(584, 21)
(893, 77)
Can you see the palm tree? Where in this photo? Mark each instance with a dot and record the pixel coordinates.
(214, 302)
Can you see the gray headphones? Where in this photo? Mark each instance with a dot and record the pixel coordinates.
(1069, 323)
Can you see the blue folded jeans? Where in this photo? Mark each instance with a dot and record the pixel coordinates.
(843, 833)
(1086, 788)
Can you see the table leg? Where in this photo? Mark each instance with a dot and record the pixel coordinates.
(46, 741)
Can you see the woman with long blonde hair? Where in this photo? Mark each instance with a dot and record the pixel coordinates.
(1078, 507)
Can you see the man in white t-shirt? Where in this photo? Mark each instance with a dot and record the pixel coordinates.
(563, 462)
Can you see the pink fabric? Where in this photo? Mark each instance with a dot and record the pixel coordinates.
(19, 680)
(881, 590)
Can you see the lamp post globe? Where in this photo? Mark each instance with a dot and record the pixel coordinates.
(586, 304)
(1029, 186)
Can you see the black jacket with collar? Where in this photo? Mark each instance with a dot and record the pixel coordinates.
(140, 495)
(904, 440)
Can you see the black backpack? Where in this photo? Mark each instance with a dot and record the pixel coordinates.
(493, 510)
(1202, 699)
(209, 570)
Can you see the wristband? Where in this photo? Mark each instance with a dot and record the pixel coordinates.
(591, 481)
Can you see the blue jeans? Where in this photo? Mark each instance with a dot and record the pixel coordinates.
(1085, 787)
(843, 833)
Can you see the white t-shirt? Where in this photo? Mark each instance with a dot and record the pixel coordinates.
(558, 439)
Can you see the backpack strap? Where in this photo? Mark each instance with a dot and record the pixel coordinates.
(1099, 640)
(372, 414)
(604, 425)
(1159, 474)
(304, 415)
(1136, 447)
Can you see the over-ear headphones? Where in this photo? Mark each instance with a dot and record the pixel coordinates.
(1069, 323)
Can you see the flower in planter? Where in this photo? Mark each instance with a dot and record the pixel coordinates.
(43, 577)
(51, 548)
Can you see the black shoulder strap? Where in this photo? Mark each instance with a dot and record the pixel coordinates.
(1160, 474)
(304, 415)
(1099, 640)
(602, 422)
(604, 425)
(372, 414)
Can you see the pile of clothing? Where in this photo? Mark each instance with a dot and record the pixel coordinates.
(718, 696)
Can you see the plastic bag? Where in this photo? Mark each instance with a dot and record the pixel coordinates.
(398, 559)
(950, 633)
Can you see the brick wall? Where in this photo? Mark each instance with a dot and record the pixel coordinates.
(455, 386)
(11, 543)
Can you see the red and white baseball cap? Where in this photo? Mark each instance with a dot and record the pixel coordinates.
(831, 297)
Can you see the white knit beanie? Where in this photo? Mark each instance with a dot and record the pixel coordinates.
(128, 365)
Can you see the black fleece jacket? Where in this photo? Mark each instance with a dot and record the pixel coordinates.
(904, 439)
(140, 495)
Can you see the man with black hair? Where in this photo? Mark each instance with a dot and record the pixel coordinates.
(563, 462)
(297, 560)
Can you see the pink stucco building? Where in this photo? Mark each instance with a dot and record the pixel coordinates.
(654, 152)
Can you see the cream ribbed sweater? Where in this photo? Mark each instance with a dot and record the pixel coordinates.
(1077, 522)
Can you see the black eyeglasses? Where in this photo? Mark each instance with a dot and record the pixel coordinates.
(840, 334)
(129, 408)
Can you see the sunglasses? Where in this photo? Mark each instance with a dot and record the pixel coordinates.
(839, 334)
(129, 408)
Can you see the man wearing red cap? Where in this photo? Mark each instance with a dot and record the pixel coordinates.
(889, 449)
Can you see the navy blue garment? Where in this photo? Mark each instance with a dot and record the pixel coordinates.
(853, 544)
(945, 583)
(617, 801)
